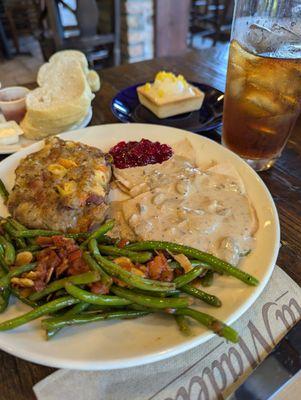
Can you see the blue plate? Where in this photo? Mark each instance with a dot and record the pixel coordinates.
(127, 108)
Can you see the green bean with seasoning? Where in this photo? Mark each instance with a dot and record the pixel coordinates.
(215, 263)
(77, 309)
(137, 257)
(131, 279)
(81, 279)
(9, 250)
(210, 322)
(38, 312)
(183, 324)
(188, 277)
(32, 233)
(3, 191)
(106, 227)
(151, 301)
(3, 265)
(207, 280)
(104, 277)
(200, 294)
(92, 298)
(80, 319)
(4, 299)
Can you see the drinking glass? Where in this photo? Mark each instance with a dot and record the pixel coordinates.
(263, 90)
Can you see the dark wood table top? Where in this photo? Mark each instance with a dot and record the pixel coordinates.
(284, 181)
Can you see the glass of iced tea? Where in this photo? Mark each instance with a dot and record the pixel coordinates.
(263, 90)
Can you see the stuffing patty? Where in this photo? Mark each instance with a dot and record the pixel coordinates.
(63, 187)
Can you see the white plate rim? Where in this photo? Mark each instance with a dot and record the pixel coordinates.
(190, 343)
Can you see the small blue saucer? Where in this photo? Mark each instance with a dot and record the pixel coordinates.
(127, 108)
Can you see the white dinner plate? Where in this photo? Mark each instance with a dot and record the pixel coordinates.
(23, 142)
(120, 344)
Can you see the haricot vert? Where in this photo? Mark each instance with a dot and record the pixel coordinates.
(125, 294)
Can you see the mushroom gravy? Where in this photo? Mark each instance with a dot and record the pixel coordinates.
(177, 201)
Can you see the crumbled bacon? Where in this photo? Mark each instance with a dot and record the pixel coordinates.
(60, 255)
(78, 267)
(99, 288)
(122, 243)
(44, 241)
(48, 261)
(158, 269)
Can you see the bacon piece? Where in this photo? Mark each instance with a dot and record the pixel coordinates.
(78, 266)
(158, 269)
(44, 241)
(74, 255)
(99, 288)
(60, 255)
(122, 243)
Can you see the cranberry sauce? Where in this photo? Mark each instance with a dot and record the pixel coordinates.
(136, 154)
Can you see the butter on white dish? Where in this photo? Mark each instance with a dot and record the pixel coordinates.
(9, 132)
(170, 95)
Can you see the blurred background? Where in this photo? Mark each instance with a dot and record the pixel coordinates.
(109, 32)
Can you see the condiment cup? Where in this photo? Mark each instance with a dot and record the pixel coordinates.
(12, 102)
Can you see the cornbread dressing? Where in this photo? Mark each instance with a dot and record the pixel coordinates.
(63, 186)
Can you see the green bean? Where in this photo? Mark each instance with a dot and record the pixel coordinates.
(188, 277)
(206, 297)
(9, 251)
(9, 229)
(210, 322)
(183, 324)
(20, 243)
(104, 277)
(86, 277)
(104, 239)
(106, 227)
(23, 299)
(77, 309)
(4, 295)
(60, 322)
(32, 233)
(16, 224)
(3, 191)
(215, 263)
(150, 301)
(31, 249)
(141, 257)
(5, 280)
(91, 298)
(207, 280)
(19, 227)
(132, 279)
(170, 293)
(194, 263)
(4, 299)
(3, 265)
(46, 308)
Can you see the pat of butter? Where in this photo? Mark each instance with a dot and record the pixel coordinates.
(9, 133)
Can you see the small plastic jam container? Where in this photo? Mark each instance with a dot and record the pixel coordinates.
(12, 102)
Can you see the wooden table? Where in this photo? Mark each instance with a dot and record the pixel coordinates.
(284, 181)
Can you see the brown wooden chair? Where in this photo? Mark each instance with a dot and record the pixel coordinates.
(211, 19)
(96, 46)
(21, 19)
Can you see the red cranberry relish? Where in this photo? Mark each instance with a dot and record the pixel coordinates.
(136, 154)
